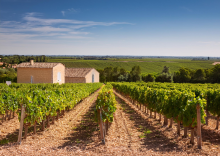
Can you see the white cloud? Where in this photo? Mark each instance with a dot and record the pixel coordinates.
(39, 32)
(69, 11)
(63, 12)
(33, 25)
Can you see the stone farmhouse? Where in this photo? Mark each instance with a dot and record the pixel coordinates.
(81, 75)
(42, 72)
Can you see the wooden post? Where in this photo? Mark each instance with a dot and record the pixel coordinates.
(155, 115)
(192, 136)
(217, 124)
(199, 133)
(13, 114)
(185, 132)
(48, 121)
(43, 125)
(101, 126)
(178, 128)
(105, 131)
(21, 124)
(35, 127)
(171, 123)
(147, 111)
(53, 120)
(165, 121)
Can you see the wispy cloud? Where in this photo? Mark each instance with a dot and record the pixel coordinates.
(69, 11)
(34, 27)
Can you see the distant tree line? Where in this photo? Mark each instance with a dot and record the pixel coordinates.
(16, 59)
(110, 74)
(183, 75)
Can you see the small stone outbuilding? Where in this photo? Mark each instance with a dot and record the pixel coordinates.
(81, 75)
(40, 72)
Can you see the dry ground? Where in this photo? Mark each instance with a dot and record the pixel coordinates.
(132, 132)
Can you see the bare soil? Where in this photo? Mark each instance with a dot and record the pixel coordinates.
(216, 63)
(132, 132)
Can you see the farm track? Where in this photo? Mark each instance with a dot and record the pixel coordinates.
(164, 140)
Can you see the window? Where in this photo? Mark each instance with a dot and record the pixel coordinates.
(59, 76)
(92, 78)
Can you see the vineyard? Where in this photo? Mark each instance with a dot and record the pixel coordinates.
(130, 118)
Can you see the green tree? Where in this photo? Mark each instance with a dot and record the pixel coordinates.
(182, 76)
(199, 76)
(108, 74)
(135, 74)
(166, 70)
(148, 78)
(215, 74)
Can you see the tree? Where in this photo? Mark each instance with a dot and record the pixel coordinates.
(215, 74)
(199, 76)
(108, 73)
(148, 78)
(135, 74)
(166, 70)
(115, 73)
(182, 76)
(165, 77)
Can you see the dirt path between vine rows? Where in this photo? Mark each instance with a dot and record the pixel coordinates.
(132, 132)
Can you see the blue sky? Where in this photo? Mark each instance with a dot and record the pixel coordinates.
(110, 27)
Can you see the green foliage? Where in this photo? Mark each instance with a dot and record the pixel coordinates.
(8, 74)
(41, 100)
(177, 101)
(106, 103)
(215, 74)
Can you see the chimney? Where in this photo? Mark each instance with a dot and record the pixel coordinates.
(32, 62)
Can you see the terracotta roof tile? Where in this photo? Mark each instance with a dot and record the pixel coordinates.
(77, 72)
(37, 65)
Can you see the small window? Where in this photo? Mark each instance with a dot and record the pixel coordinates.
(59, 76)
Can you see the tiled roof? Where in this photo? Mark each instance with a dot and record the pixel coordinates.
(77, 72)
(37, 65)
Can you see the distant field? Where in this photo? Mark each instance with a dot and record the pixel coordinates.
(150, 65)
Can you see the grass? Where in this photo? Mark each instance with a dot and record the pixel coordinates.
(142, 136)
(4, 141)
(147, 131)
(151, 65)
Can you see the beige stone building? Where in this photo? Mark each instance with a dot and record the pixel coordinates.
(40, 72)
(81, 75)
